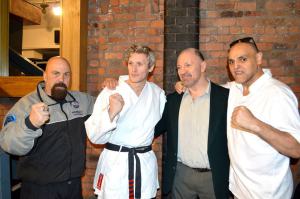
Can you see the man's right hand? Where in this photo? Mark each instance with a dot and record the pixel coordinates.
(179, 87)
(116, 104)
(110, 83)
(39, 114)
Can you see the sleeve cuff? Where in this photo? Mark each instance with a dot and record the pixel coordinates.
(29, 124)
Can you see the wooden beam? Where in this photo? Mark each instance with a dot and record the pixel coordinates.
(26, 11)
(18, 86)
(4, 37)
(74, 40)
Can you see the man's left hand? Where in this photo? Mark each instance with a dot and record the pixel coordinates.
(110, 83)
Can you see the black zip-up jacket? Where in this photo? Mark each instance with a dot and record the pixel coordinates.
(56, 151)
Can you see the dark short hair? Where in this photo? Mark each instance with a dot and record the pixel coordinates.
(248, 40)
(141, 50)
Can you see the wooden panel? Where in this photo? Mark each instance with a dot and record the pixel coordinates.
(74, 40)
(26, 11)
(4, 38)
(18, 86)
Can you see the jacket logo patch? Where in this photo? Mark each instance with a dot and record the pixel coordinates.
(10, 118)
(75, 104)
(77, 112)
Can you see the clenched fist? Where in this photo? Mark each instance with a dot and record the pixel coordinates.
(179, 87)
(110, 83)
(39, 114)
(243, 119)
(116, 104)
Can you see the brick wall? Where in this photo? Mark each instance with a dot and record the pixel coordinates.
(274, 24)
(181, 31)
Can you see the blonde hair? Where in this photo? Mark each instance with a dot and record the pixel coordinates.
(141, 50)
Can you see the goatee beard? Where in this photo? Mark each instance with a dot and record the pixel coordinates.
(59, 91)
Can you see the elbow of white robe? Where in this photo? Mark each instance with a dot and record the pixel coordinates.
(99, 129)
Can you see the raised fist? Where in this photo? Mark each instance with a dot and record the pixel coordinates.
(116, 104)
(39, 114)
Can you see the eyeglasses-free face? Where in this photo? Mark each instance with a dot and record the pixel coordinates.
(248, 40)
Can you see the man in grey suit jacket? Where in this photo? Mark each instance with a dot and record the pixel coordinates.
(196, 162)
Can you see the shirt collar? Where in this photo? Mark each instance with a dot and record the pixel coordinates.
(207, 90)
(258, 83)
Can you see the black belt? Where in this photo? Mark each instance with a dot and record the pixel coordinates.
(201, 169)
(132, 153)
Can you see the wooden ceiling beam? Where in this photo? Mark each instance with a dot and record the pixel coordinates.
(26, 11)
(18, 86)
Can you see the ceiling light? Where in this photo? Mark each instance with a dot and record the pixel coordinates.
(57, 10)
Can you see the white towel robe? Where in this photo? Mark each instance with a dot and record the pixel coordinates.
(133, 127)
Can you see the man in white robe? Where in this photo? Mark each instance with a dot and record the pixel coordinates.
(131, 131)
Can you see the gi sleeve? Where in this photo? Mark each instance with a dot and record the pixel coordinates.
(162, 102)
(161, 126)
(99, 127)
(18, 135)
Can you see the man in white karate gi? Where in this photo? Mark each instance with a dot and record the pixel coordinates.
(124, 120)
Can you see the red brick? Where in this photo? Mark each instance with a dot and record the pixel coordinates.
(212, 14)
(223, 30)
(124, 2)
(203, 5)
(94, 63)
(217, 54)
(101, 71)
(246, 22)
(208, 30)
(296, 88)
(246, 6)
(157, 24)
(92, 71)
(124, 17)
(265, 46)
(136, 9)
(113, 55)
(270, 30)
(297, 5)
(117, 24)
(153, 31)
(117, 39)
(248, 30)
(105, 18)
(278, 5)
(224, 22)
(213, 46)
(225, 5)
(138, 24)
(294, 29)
(145, 16)
(235, 30)
(114, 2)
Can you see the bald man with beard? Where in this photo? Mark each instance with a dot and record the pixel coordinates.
(46, 129)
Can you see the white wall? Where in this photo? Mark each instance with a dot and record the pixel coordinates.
(41, 36)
